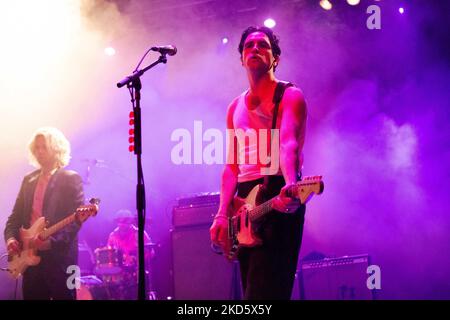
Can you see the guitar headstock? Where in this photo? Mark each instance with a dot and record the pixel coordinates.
(308, 186)
(85, 211)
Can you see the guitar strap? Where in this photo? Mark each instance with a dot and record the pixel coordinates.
(277, 96)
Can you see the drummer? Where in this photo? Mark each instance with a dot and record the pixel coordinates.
(125, 238)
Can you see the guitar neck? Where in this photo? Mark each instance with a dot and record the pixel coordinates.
(57, 226)
(264, 208)
(261, 210)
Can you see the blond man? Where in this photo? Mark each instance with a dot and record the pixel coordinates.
(54, 193)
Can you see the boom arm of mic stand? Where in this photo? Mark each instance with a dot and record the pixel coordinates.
(138, 73)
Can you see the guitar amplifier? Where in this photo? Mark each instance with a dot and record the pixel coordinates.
(198, 272)
(196, 210)
(343, 278)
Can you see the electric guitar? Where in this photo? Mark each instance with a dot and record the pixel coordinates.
(18, 263)
(249, 212)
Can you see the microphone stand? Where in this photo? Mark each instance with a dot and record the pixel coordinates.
(133, 83)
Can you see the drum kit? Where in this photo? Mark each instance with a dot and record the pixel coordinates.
(108, 273)
(113, 279)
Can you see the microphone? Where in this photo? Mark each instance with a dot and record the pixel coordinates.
(170, 50)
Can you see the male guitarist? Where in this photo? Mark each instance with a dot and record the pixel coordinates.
(267, 270)
(53, 193)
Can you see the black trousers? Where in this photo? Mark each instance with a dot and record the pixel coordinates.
(47, 280)
(268, 271)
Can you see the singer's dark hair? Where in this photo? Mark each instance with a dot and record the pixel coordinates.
(274, 41)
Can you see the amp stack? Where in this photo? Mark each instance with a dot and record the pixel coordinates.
(198, 272)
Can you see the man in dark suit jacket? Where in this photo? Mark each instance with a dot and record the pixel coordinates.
(53, 193)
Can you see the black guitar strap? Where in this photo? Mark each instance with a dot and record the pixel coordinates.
(277, 96)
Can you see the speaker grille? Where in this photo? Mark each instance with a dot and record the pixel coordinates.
(198, 272)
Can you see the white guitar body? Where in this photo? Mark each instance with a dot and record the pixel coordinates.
(18, 263)
(28, 256)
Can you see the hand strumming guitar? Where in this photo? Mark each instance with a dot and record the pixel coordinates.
(13, 246)
(219, 229)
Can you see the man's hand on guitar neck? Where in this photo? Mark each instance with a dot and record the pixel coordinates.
(285, 203)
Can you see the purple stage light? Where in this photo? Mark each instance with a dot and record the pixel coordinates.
(401, 10)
